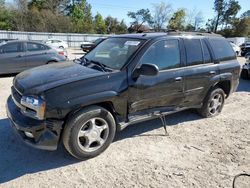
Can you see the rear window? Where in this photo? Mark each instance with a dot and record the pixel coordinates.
(222, 49)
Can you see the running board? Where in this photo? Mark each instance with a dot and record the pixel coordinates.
(146, 117)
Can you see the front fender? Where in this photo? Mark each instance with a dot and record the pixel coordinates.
(118, 101)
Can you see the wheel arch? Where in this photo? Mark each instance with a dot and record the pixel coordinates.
(225, 85)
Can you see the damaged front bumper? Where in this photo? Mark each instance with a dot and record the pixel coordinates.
(41, 134)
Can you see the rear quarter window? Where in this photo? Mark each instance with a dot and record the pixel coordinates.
(222, 49)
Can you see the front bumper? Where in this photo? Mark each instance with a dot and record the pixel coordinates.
(46, 133)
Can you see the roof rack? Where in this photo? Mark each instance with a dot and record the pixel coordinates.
(184, 33)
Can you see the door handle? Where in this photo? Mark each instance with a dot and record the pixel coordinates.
(212, 72)
(178, 79)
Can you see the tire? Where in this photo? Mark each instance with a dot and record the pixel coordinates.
(213, 103)
(89, 132)
(244, 74)
(61, 47)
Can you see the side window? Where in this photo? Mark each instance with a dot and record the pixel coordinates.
(165, 54)
(222, 49)
(193, 51)
(12, 48)
(206, 53)
(35, 47)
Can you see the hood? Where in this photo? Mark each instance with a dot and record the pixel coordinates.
(46, 77)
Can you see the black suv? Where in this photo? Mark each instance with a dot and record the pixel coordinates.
(126, 79)
(245, 48)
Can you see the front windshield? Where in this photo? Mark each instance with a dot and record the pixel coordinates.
(114, 52)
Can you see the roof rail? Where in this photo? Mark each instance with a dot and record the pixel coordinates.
(176, 32)
(183, 33)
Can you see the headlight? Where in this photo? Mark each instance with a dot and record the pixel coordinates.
(34, 107)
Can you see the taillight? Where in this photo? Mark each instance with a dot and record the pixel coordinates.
(61, 53)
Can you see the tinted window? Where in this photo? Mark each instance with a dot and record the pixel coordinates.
(164, 54)
(194, 51)
(35, 46)
(12, 48)
(222, 49)
(206, 53)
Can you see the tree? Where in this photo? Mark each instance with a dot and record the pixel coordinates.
(242, 27)
(178, 20)
(219, 7)
(82, 17)
(56, 6)
(100, 26)
(162, 13)
(20, 15)
(246, 14)
(199, 20)
(232, 9)
(114, 26)
(5, 17)
(139, 18)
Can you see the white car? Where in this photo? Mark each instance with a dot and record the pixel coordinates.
(235, 48)
(56, 43)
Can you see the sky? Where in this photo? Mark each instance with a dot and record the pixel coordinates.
(120, 8)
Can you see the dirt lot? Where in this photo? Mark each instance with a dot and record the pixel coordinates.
(197, 153)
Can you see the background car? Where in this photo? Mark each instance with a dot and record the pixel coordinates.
(88, 46)
(235, 48)
(6, 40)
(245, 73)
(62, 51)
(17, 56)
(56, 43)
(245, 48)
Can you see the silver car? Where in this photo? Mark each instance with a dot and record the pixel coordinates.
(17, 56)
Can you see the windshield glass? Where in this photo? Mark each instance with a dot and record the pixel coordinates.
(114, 52)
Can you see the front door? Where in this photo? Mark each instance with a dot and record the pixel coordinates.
(164, 90)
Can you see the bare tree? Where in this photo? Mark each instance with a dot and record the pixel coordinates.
(199, 20)
(21, 15)
(162, 14)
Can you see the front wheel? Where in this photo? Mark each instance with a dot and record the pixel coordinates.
(213, 103)
(89, 132)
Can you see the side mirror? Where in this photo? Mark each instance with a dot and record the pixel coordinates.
(146, 70)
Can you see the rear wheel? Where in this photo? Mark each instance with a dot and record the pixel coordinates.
(89, 132)
(213, 103)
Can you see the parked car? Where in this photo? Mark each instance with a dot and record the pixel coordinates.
(56, 43)
(235, 48)
(245, 73)
(245, 48)
(62, 51)
(88, 46)
(17, 56)
(126, 79)
(6, 40)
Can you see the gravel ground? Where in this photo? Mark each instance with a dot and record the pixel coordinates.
(196, 153)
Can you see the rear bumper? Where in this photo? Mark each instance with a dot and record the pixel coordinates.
(45, 133)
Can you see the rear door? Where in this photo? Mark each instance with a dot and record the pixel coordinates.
(12, 58)
(199, 72)
(36, 54)
(164, 90)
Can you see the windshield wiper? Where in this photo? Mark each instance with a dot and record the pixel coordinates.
(103, 67)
